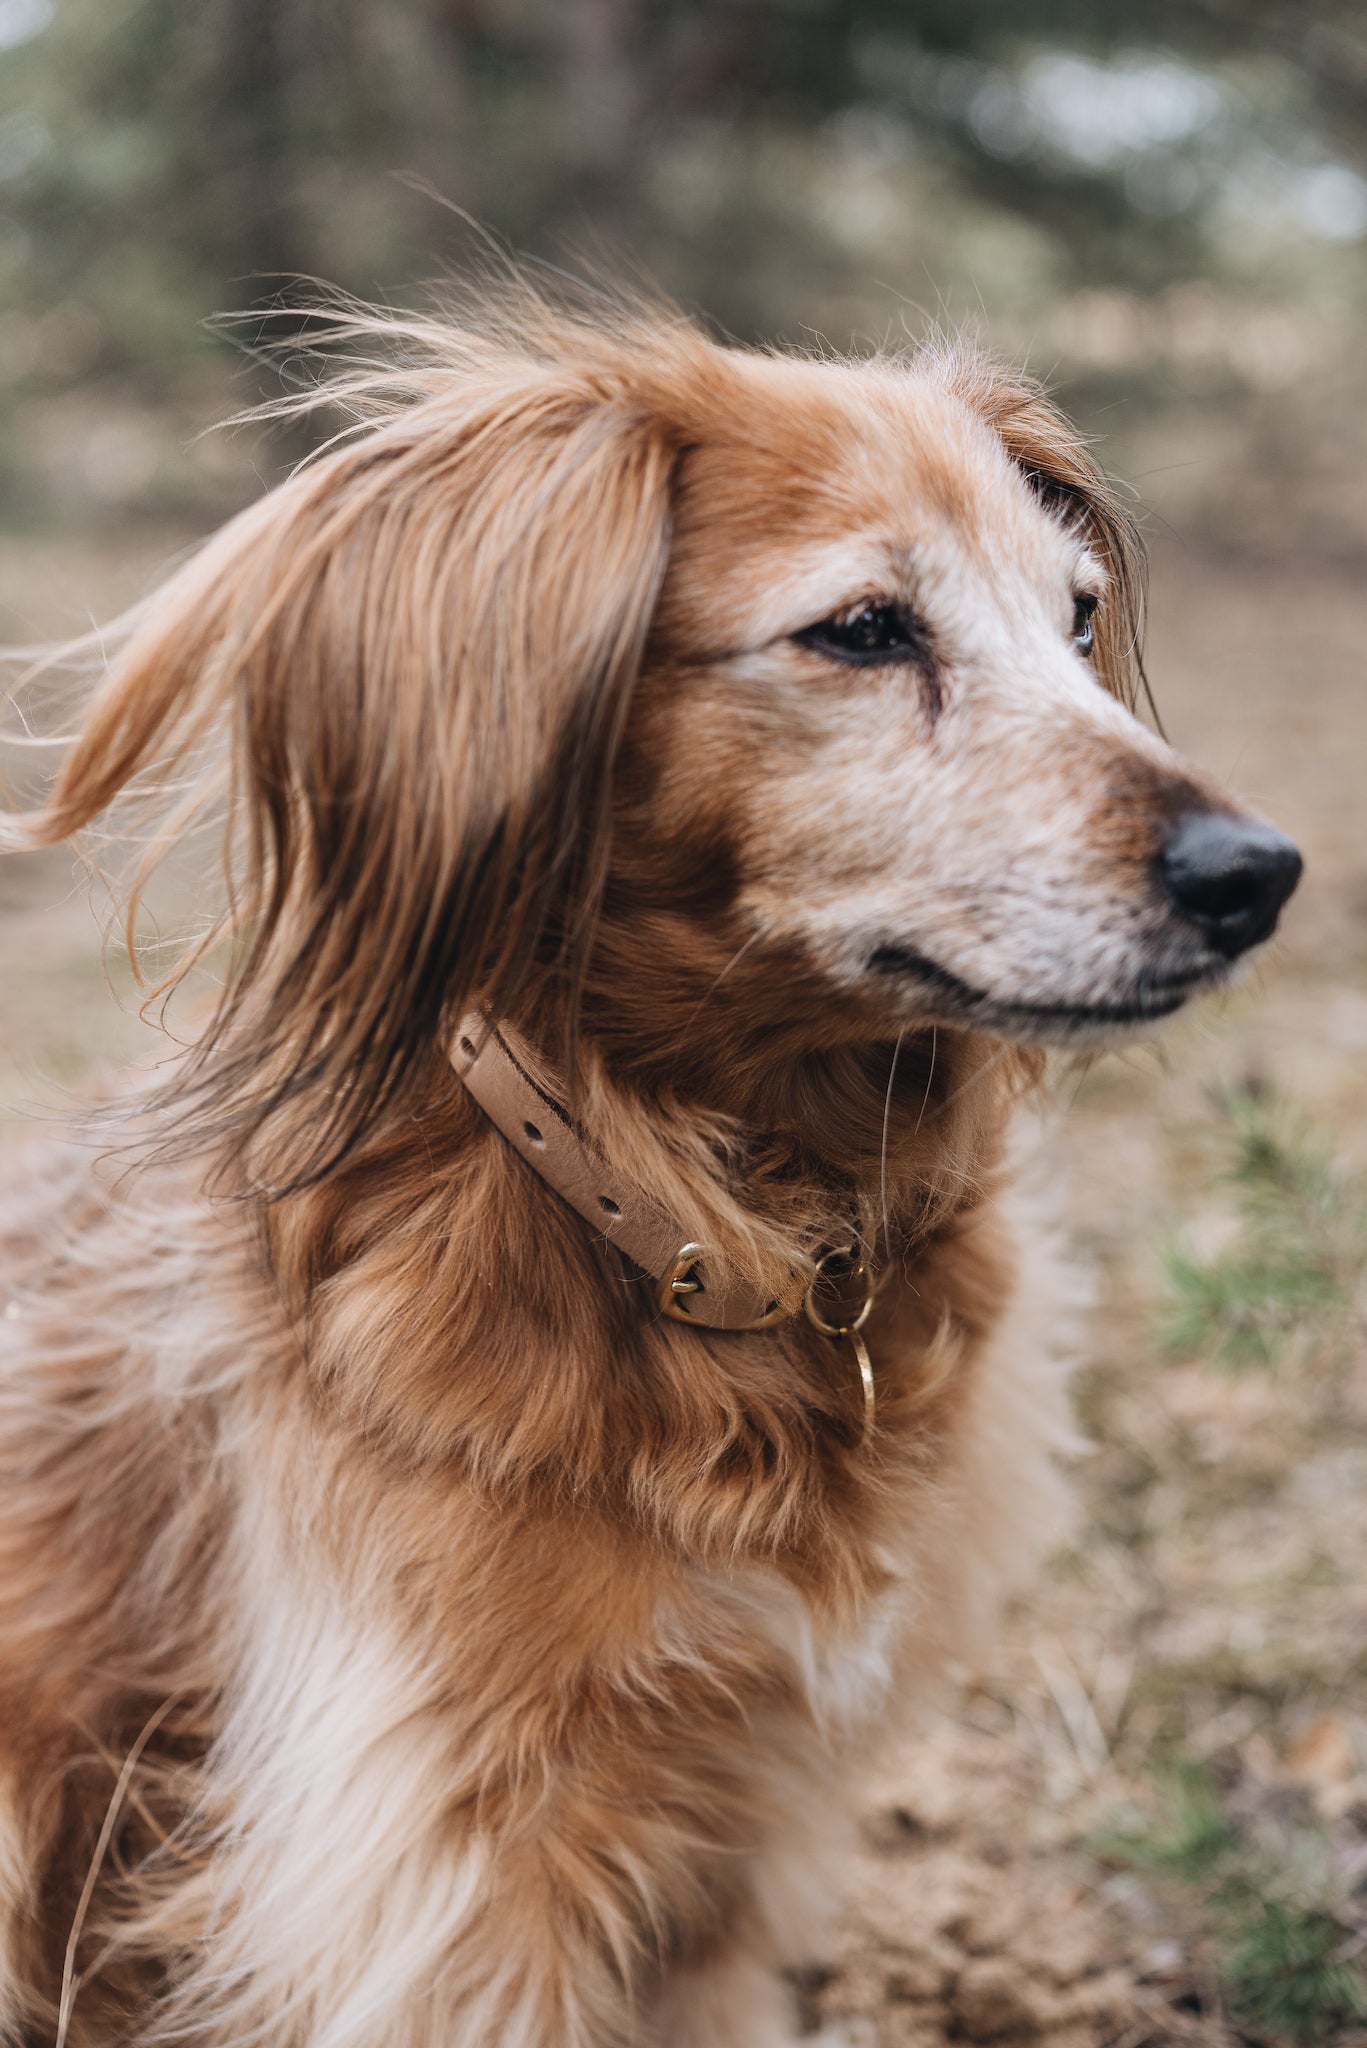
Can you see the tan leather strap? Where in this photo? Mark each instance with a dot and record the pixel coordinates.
(658, 1242)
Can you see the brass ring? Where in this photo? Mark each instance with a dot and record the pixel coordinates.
(861, 1270)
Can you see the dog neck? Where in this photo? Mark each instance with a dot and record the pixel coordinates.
(501, 1074)
(864, 1148)
(511, 1335)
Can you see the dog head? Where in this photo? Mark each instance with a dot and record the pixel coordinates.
(606, 658)
(888, 692)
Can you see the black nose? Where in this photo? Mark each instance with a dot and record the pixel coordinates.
(1230, 876)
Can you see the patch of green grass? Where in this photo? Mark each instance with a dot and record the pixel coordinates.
(1243, 1310)
(1291, 1971)
(1300, 1239)
(1190, 1837)
(1289, 1958)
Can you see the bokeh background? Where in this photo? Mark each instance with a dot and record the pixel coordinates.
(1149, 1824)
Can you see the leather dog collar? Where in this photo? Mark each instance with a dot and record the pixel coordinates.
(689, 1290)
(653, 1238)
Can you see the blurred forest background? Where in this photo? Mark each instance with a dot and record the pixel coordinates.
(1163, 206)
(1149, 1825)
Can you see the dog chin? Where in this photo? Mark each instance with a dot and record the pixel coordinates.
(1087, 1027)
(1072, 1021)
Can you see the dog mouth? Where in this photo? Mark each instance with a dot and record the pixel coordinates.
(1147, 1000)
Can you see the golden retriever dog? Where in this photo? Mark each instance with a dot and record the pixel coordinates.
(425, 1623)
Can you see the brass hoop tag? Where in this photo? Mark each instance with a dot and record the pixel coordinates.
(861, 1273)
(865, 1364)
(681, 1280)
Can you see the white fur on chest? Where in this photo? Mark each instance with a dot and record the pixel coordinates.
(844, 1673)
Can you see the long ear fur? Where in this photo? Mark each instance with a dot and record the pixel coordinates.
(421, 650)
(1067, 477)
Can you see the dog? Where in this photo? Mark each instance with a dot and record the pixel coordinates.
(424, 1619)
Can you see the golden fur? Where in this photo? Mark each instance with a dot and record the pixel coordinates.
(406, 1637)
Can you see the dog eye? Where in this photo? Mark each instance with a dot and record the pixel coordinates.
(866, 633)
(1084, 639)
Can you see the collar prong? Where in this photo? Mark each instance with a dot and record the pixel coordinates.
(680, 1281)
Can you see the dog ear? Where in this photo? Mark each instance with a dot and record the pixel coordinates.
(421, 650)
(1062, 470)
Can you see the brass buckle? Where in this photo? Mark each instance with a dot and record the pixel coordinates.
(681, 1280)
(678, 1283)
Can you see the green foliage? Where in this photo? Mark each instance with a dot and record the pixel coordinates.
(1300, 1240)
(782, 163)
(1290, 1973)
(1243, 1309)
(1189, 1837)
(1287, 1953)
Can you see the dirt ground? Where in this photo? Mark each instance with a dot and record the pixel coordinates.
(1148, 1824)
